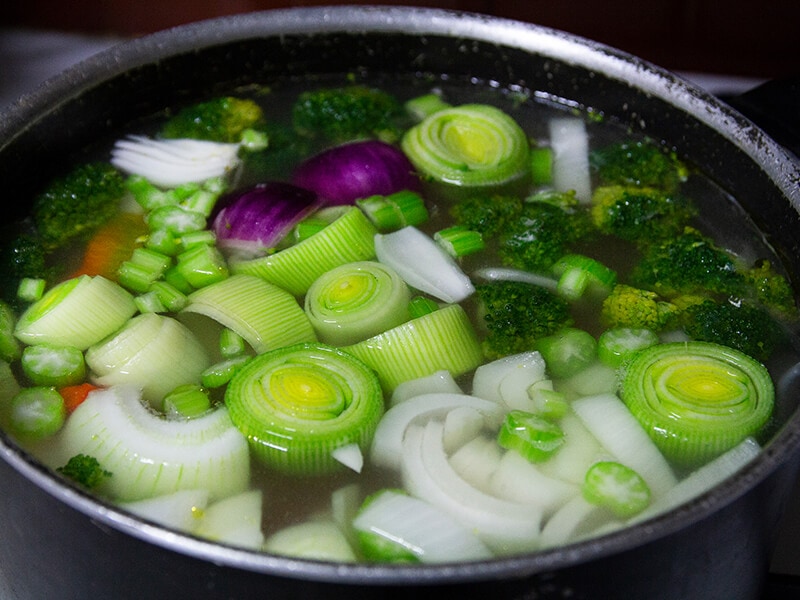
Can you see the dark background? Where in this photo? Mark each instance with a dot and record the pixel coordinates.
(753, 38)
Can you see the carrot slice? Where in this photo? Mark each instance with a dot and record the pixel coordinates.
(74, 395)
(111, 245)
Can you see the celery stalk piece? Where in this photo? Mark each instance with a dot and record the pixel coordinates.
(617, 487)
(52, 365)
(444, 339)
(187, 401)
(355, 301)
(10, 348)
(78, 312)
(157, 353)
(697, 399)
(394, 527)
(265, 315)
(349, 238)
(300, 403)
(36, 413)
(534, 438)
(150, 456)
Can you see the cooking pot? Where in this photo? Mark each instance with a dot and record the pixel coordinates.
(58, 542)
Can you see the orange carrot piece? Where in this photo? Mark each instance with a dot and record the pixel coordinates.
(74, 395)
(111, 245)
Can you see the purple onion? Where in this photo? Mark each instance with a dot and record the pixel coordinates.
(257, 218)
(345, 173)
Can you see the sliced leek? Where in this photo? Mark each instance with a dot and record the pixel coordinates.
(78, 312)
(355, 301)
(444, 339)
(298, 404)
(265, 315)
(347, 239)
(149, 456)
(696, 399)
(468, 145)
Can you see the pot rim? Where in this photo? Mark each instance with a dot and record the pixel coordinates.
(568, 48)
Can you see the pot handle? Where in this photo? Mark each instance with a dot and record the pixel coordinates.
(775, 107)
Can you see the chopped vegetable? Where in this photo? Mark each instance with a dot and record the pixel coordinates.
(52, 365)
(74, 395)
(569, 142)
(640, 163)
(533, 437)
(36, 413)
(617, 345)
(696, 399)
(225, 119)
(84, 470)
(298, 403)
(568, 351)
(617, 487)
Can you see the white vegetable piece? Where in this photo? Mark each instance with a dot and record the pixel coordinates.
(440, 381)
(577, 519)
(179, 510)
(570, 144)
(350, 456)
(235, 520)
(172, 162)
(505, 527)
(429, 533)
(506, 380)
(423, 264)
(477, 460)
(618, 431)
(314, 540)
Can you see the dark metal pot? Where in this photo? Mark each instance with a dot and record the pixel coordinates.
(59, 543)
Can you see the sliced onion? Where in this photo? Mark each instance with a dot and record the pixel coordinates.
(423, 264)
(346, 173)
(170, 163)
(254, 220)
(506, 380)
(570, 144)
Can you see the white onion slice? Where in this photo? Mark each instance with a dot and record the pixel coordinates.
(235, 520)
(314, 540)
(423, 264)
(570, 144)
(178, 510)
(169, 163)
(440, 381)
(350, 456)
(575, 520)
(506, 380)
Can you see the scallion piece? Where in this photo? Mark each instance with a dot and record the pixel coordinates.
(231, 344)
(468, 145)
(186, 402)
(78, 312)
(459, 241)
(394, 211)
(617, 487)
(349, 238)
(355, 301)
(36, 413)
(52, 365)
(299, 403)
(31, 289)
(578, 275)
(697, 399)
(444, 339)
(534, 437)
(266, 316)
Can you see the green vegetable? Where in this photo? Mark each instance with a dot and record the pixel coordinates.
(31, 289)
(618, 344)
(22, 255)
(10, 348)
(73, 207)
(636, 308)
(617, 487)
(459, 241)
(567, 351)
(640, 164)
(578, 275)
(420, 107)
(534, 437)
(488, 215)
(394, 211)
(468, 145)
(738, 325)
(226, 119)
(186, 402)
(355, 301)
(298, 404)
(772, 290)
(516, 315)
(52, 365)
(640, 214)
(36, 413)
(341, 114)
(697, 399)
(84, 470)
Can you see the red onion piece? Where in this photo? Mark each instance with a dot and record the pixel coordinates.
(257, 218)
(343, 174)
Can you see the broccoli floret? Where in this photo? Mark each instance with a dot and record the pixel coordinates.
(73, 207)
(21, 255)
(516, 314)
(488, 216)
(84, 470)
(222, 119)
(688, 263)
(629, 306)
(540, 235)
(640, 214)
(640, 164)
(341, 114)
(736, 325)
(772, 290)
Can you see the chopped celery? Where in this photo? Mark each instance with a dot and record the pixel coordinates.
(10, 348)
(394, 211)
(425, 105)
(459, 241)
(617, 487)
(541, 166)
(222, 372)
(579, 275)
(534, 437)
(617, 345)
(568, 351)
(231, 344)
(31, 289)
(202, 265)
(169, 296)
(53, 365)
(175, 219)
(186, 401)
(36, 413)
